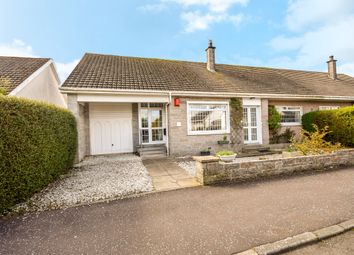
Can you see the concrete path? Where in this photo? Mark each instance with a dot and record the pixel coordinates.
(167, 175)
(202, 220)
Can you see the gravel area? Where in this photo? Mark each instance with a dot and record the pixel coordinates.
(189, 166)
(94, 179)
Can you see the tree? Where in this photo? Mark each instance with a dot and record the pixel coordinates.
(4, 83)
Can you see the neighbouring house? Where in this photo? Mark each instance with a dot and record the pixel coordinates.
(33, 78)
(129, 104)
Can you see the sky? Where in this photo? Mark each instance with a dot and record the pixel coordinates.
(296, 34)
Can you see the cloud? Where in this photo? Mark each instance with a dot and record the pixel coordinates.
(315, 30)
(16, 48)
(201, 14)
(19, 48)
(217, 6)
(197, 21)
(302, 14)
(64, 69)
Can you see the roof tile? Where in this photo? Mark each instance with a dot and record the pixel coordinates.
(117, 72)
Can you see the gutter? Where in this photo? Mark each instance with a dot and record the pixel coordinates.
(200, 94)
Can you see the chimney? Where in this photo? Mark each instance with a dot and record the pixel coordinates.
(210, 57)
(332, 68)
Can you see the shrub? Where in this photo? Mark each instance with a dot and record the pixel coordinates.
(225, 153)
(340, 123)
(274, 119)
(314, 142)
(37, 144)
(4, 83)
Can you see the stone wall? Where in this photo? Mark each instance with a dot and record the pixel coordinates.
(211, 171)
(81, 113)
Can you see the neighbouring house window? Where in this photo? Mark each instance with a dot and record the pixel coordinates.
(328, 107)
(290, 115)
(208, 118)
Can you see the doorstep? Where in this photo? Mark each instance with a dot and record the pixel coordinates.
(167, 175)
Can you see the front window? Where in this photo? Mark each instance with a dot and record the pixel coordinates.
(205, 118)
(290, 115)
(321, 108)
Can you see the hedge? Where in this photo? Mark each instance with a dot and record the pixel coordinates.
(340, 123)
(37, 143)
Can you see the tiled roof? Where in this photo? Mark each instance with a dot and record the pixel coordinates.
(18, 69)
(117, 72)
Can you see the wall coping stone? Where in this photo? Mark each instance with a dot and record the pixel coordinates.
(206, 159)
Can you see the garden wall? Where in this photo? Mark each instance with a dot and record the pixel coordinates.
(212, 171)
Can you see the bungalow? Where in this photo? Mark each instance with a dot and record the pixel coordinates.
(33, 78)
(129, 104)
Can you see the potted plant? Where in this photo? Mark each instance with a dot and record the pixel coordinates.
(205, 152)
(224, 140)
(226, 156)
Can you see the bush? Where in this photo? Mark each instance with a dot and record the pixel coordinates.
(225, 153)
(340, 123)
(274, 118)
(314, 143)
(37, 144)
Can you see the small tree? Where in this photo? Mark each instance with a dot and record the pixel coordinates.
(274, 119)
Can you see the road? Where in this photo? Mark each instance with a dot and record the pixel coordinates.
(202, 220)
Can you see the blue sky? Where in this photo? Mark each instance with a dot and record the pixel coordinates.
(298, 34)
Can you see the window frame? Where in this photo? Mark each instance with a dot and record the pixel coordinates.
(208, 132)
(328, 107)
(280, 110)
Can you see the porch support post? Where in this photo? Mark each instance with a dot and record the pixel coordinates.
(80, 111)
(265, 127)
(166, 126)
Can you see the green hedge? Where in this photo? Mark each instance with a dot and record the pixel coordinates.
(340, 123)
(37, 144)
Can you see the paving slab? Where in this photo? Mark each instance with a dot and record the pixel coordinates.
(167, 175)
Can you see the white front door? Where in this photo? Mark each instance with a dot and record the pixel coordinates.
(152, 128)
(252, 131)
(111, 128)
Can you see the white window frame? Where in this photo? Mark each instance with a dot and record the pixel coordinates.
(328, 107)
(208, 132)
(280, 110)
(164, 123)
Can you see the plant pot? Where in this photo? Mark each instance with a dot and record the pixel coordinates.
(228, 158)
(223, 142)
(205, 153)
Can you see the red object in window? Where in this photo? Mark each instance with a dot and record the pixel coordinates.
(177, 101)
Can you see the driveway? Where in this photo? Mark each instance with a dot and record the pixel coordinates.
(95, 179)
(201, 220)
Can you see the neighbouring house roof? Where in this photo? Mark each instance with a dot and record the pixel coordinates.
(17, 69)
(131, 73)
